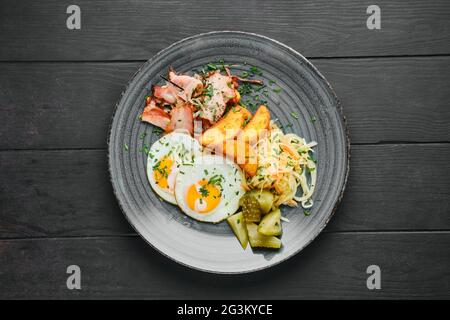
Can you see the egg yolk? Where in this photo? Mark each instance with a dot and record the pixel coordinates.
(161, 171)
(203, 197)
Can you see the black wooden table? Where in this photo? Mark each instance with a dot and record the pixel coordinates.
(58, 88)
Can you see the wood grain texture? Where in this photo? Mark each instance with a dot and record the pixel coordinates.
(69, 105)
(413, 265)
(54, 193)
(137, 29)
(59, 105)
(68, 193)
(393, 99)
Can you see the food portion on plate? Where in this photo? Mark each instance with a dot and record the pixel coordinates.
(223, 157)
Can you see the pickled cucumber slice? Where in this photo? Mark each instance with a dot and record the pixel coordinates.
(237, 223)
(250, 208)
(265, 199)
(270, 225)
(257, 239)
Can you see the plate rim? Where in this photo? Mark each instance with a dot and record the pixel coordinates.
(340, 113)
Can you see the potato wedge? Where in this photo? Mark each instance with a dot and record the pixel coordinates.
(226, 128)
(242, 153)
(237, 223)
(257, 127)
(257, 239)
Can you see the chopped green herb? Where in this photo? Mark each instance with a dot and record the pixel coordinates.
(306, 212)
(216, 179)
(276, 90)
(203, 191)
(125, 147)
(211, 66)
(313, 119)
(255, 70)
(208, 91)
(294, 114)
(157, 131)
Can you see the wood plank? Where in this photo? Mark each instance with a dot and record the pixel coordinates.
(59, 105)
(68, 193)
(391, 100)
(56, 193)
(69, 105)
(413, 266)
(396, 187)
(137, 29)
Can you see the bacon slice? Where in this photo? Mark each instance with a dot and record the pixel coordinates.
(155, 115)
(181, 119)
(172, 94)
(221, 90)
(168, 93)
(191, 86)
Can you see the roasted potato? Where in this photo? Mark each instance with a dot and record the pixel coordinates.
(226, 128)
(257, 127)
(236, 99)
(242, 153)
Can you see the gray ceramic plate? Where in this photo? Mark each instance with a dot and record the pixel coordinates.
(304, 91)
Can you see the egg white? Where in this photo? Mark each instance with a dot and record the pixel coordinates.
(204, 168)
(183, 148)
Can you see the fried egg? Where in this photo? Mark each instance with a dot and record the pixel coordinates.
(165, 158)
(210, 190)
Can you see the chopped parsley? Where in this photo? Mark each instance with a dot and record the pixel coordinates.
(216, 180)
(145, 149)
(255, 70)
(203, 191)
(164, 171)
(208, 91)
(211, 66)
(157, 131)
